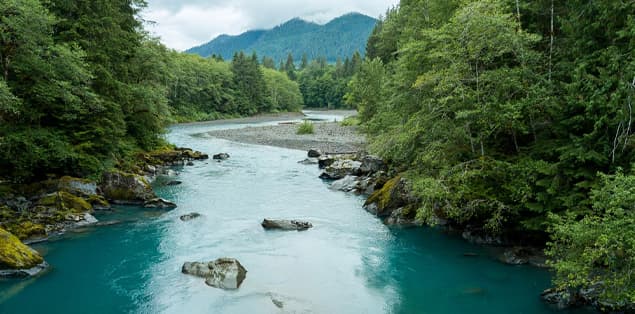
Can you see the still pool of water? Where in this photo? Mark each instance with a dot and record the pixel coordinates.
(348, 263)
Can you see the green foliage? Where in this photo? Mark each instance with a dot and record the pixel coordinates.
(282, 94)
(599, 250)
(306, 127)
(323, 85)
(350, 121)
(503, 122)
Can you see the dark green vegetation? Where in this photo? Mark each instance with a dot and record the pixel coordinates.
(515, 118)
(83, 88)
(340, 37)
(323, 85)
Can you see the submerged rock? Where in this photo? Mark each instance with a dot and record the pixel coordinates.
(221, 156)
(17, 259)
(309, 161)
(172, 183)
(314, 153)
(287, 225)
(159, 203)
(480, 237)
(189, 216)
(223, 273)
(126, 188)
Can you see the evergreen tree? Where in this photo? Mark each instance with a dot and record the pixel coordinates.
(305, 62)
(290, 67)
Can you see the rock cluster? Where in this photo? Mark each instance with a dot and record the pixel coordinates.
(390, 197)
(34, 211)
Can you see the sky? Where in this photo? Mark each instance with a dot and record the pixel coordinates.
(187, 23)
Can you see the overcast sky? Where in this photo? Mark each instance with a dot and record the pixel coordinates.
(187, 23)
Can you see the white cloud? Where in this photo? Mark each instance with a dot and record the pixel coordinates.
(184, 24)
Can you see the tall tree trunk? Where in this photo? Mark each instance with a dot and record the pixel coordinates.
(551, 43)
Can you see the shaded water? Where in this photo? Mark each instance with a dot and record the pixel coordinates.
(348, 263)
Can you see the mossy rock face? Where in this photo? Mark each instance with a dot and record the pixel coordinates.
(15, 255)
(393, 195)
(77, 186)
(7, 213)
(126, 188)
(26, 229)
(98, 202)
(64, 201)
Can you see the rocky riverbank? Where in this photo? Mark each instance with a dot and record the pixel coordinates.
(33, 212)
(328, 137)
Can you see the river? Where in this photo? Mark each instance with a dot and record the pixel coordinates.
(348, 263)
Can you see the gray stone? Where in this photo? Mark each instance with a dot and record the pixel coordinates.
(223, 273)
(314, 153)
(325, 161)
(341, 168)
(346, 184)
(287, 225)
(172, 183)
(372, 164)
(126, 188)
(85, 220)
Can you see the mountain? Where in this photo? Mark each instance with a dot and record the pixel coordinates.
(340, 37)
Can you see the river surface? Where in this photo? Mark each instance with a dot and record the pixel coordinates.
(348, 263)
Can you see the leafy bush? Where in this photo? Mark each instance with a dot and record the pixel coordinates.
(350, 121)
(599, 250)
(306, 127)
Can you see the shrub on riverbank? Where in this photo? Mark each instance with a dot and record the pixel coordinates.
(306, 127)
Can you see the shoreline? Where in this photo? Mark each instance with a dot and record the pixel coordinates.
(329, 137)
(265, 117)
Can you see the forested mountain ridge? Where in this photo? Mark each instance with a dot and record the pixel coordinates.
(339, 38)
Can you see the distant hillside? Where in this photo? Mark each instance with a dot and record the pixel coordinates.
(340, 37)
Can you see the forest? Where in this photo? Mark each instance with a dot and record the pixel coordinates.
(84, 88)
(515, 118)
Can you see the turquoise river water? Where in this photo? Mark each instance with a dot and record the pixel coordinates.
(348, 263)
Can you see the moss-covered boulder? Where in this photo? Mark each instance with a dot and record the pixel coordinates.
(126, 188)
(98, 202)
(15, 254)
(395, 194)
(77, 186)
(64, 201)
(26, 229)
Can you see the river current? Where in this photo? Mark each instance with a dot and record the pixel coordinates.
(348, 263)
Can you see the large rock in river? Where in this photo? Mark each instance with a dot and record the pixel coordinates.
(126, 188)
(224, 273)
(287, 225)
(17, 259)
(395, 194)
